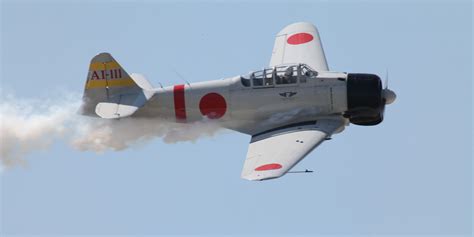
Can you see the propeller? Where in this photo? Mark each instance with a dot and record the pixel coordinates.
(388, 95)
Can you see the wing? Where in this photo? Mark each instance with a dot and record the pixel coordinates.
(271, 154)
(299, 43)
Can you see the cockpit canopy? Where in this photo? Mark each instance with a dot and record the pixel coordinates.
(280, 75)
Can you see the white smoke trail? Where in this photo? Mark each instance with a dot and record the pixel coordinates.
(28, 126)
(100, 135)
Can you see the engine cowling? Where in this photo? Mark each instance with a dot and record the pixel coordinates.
(365, 99)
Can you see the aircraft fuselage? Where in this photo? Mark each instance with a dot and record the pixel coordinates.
(235, 105)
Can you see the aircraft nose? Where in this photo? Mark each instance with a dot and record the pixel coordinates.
(389, 96)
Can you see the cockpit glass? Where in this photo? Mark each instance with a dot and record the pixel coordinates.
(245, 80)
(281, 75)
(286, 75)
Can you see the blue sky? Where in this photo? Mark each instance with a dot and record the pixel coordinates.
(411, 175)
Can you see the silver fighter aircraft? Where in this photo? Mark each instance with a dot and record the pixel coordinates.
(288, 108)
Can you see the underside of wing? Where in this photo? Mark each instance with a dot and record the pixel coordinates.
(272, 154)
(299, 43)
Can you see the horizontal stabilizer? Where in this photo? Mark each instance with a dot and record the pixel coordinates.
(114, 111)
(125, 106)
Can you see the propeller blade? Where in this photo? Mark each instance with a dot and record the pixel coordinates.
(388, 95)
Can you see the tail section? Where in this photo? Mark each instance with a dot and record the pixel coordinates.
(110, 92)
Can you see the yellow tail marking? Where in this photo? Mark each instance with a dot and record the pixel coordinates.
(91, 84)
(108, 74)
(103, 66)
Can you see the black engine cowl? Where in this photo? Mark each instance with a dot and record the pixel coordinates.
(365, 100)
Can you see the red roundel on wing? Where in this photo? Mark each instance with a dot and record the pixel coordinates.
(299, 38)
(272, 166)
(213, 105)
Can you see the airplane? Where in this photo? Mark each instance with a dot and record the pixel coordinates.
(289, 108)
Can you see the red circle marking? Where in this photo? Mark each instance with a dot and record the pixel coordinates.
(213, 105)
(299, 38)
(272, 166)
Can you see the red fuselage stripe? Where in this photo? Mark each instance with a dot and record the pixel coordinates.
(179, 103)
